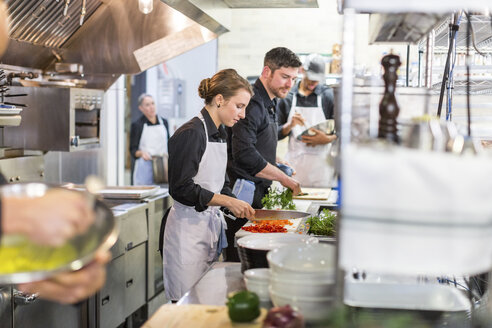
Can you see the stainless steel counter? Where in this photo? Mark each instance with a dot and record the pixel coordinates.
(214, 286)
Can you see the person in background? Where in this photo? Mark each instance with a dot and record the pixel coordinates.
(148, 137)
(310, 102)
(253, 141)
(194, 232)
(51, 220)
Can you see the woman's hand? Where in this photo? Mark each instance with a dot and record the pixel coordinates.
(241, 209)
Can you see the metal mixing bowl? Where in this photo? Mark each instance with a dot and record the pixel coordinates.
(327, 127)
(101, 235)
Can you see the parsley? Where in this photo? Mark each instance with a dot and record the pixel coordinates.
(322, 224)
(278, 199)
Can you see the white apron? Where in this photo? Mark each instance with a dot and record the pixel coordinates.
(154, 141)
(191, 238)
(310, 163)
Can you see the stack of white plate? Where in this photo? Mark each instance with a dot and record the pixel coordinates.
(303, 276)
(257, 280)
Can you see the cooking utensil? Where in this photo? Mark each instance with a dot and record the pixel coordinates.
(14, 104)
(265, 215)
(327, 127)
(24, 261)
(160, 168)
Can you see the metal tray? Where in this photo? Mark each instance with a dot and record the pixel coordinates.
(128, 192)
(101, 235)
(396, 292)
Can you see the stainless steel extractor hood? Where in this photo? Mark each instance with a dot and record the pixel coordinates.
(115, 37)
(272, 3)
(403, 28)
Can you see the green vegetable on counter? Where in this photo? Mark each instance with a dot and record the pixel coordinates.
(322, 224)
(243, 306)
(278, 199)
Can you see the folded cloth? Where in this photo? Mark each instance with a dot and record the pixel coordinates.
(222, 242)
(244, 190)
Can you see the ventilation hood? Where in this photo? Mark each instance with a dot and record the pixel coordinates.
(272, 3)
(114, 38)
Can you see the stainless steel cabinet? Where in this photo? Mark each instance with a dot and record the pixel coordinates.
(5, 307)
(42, 314)
(133, 228)
(157, 207)
(110, 299)
(125, 290)
(135, 279)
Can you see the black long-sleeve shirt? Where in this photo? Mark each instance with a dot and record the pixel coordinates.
(251, 146)
(284, 105)
(186, 148)
(136, 132)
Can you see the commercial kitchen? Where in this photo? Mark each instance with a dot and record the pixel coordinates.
(411, 245)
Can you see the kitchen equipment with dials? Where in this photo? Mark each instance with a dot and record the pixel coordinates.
(58, 119)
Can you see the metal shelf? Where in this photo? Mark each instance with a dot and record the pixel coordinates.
(405, 6)
(477, 87)
(482, 27)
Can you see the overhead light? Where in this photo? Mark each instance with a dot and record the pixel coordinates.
(145, 6)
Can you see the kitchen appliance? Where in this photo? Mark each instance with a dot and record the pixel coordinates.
(61, 119)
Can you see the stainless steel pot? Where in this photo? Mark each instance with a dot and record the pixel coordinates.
(160, 168)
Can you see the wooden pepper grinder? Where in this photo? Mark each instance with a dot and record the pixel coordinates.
(388, 108)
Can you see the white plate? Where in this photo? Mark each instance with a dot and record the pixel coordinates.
(10, 111)
(269, 241)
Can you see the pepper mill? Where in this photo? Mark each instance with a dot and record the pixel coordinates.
(388, 108)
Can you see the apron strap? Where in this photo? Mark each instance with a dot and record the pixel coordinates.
(161, 232)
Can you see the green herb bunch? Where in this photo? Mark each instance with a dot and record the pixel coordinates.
(322, 224)
(278, 199)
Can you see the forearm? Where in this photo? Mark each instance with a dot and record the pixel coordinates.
(220, 200)
(273, 173)
(286, 128)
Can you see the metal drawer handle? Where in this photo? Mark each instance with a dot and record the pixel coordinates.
(129, 245)
(129, 283)
(105, 300)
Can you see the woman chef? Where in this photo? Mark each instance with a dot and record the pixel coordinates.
(148, 137)
(194, 233)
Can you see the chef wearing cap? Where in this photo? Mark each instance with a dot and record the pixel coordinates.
(310, 102)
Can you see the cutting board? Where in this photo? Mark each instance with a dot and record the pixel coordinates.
(197, 316)
(314, 194)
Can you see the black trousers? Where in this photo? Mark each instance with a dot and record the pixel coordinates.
(230, 252)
